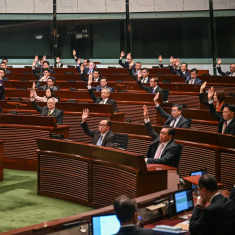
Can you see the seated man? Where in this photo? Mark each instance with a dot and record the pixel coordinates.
(105, 97)
(207, 217)
(226, 119)
(144, 76)
(176, 119)
(101, 137)
(44, 76)
(153, 85)
(126, 211)
(50, 110)
(127, 62)
(2, 87)
(193, 79)
(58, 63)
(230, 73)
(163, 150)
(103, 84)
(50, 84)
(229, 214)
(96, 76)
(183, 71)
(135, 68)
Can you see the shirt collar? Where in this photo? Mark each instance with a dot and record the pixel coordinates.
(216, 194)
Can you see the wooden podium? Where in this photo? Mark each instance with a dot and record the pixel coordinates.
(1, 160)
(19, 133)
(93, 175)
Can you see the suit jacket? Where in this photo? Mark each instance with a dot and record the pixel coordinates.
(107, 141)
(229, 217)
(149, 89)
(197, 81)
(208, 221)
(124, 65)
(185, 75)
(228, 73)
(97, 100)
(60, 65)
(58, 114)
(182, 123)
(170, 155)
(230, 128)
(134, 230)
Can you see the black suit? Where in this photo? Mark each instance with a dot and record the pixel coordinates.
(171, 153)
(229, 215)
(150, 89)
(230, 128)
(134, 230)
(58, 114)
(107, 141)
(228, 73)
(185, 75)
(182, 123)
(124, 65)
(208, 221)
(99, 99)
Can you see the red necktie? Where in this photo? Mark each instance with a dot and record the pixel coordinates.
(159, 151)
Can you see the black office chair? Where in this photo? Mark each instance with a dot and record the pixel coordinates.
(121, 141)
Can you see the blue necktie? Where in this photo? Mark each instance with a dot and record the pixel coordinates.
(99, 142)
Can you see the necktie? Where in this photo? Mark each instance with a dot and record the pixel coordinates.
(50, 112)
(224, 127)
(99, 142)
(159, 151)
(172, 124)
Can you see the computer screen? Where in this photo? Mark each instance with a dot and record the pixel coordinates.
(199, 172)
(183, 200)
(105, 224)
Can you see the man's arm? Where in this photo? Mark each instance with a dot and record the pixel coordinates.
(90, 90)
(148, 125)
(85, 115)
(37, 107)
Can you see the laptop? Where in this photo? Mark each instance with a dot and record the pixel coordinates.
(183, 200)
(198, 172)
(107, 224)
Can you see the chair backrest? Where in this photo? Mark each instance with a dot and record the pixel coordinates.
(121, 141)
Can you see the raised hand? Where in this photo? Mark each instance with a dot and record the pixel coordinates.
(219, 61)
(122, 54)
(85, 114)
(155, 99)
(160, 59)
(211, 92)
(74, 52)
(177, 63)
(82, 68)
(128, 56)
(44, 58)
(34, 86)
(36, 58)
(203, 86)
(171, 60)
(139, 75)
(145, 112)
(131, 64)
(90, 78)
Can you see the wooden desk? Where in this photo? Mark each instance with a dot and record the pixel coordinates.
(93, 175)
(20, 133)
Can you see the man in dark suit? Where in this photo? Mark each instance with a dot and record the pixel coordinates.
(127, 62)
(207, 217)
(101, 137)
(176, 119)
(105, 97)
(183, 71)
(153, 85)
(163, 150)
(126, 211)
(58, 63)
(193, 78)
(226, 119)
(230, 73)
(50, 110)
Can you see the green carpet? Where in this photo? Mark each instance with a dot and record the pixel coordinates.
(20, 205)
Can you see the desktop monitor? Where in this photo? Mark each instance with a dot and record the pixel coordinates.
(183, 200)
(198, 172)
(105, 224)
